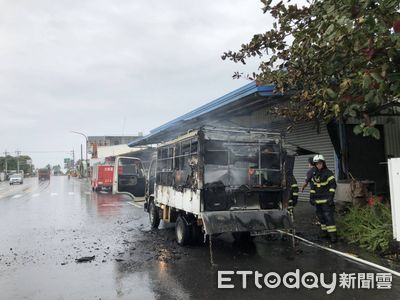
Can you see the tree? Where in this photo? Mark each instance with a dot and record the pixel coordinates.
(339, 59)
(12, 163)
(57, 170)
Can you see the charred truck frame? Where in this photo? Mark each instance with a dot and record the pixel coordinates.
(216, 180)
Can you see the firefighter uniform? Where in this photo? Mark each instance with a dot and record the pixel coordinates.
(322, 195)
(294, 193)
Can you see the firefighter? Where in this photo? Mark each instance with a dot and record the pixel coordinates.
(310, 173)
(294, 193)
(322, 195)
(292, 190)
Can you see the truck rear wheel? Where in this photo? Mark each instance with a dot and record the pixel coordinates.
(182, 232)
(197, 236)
(153, 215)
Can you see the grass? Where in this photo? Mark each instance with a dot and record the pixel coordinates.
(370, 227)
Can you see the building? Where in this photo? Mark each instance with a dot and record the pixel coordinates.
(108, 147)
(347, 154)
(96, 142)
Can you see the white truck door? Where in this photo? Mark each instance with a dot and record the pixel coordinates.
(129, 177)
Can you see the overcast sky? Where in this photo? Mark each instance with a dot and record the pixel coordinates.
(86, 65)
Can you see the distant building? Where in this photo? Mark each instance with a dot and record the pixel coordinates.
(108, 147)
(106, 141)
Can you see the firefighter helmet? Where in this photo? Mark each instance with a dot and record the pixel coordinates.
(318, 157)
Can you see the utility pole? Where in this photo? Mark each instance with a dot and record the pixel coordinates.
(73, 159)
(5, 160)
(81, 164)
(18, 153)
(87, 143)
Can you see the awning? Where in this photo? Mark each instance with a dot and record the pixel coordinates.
(237, 102)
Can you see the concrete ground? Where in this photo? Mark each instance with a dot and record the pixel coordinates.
(307, 226)
(46, 226)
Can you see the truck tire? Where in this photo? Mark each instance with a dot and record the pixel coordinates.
(197, 236)
(153, 215)
(182, 232)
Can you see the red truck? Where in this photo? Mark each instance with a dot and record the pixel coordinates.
(102, 177)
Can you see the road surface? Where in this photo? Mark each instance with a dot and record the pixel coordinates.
(46, 226)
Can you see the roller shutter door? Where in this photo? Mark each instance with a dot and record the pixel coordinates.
(305, 135)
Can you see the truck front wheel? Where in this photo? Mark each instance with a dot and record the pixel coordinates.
(153, 215)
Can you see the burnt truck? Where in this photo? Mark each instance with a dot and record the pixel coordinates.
(217, 180)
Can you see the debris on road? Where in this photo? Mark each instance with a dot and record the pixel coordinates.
(85, 259)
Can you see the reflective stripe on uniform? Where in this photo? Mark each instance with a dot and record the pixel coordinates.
(332, 190)
(323, 227)
(295, 194)
(294, 185)
(321, 201)
(319, 184)
(312, 191)
(331, 228)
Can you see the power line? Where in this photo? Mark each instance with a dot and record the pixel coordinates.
(38, 151)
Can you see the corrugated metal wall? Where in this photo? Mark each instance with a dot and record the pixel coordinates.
(391, 128)
(306, 136)
(392, 135)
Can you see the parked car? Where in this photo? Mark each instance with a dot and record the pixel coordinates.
(16, 178)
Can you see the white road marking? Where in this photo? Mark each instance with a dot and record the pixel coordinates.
(347, 255)
(71, 193)
(36, 195)
(111, 204)
(53, 194)
(17, 196)
(136, 205)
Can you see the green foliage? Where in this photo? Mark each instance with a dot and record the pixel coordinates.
(12, 163)
(370, 227)
(342, 57)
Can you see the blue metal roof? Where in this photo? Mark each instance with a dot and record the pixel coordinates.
(220, 102)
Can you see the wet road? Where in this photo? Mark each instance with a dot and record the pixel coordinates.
(46, 226)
